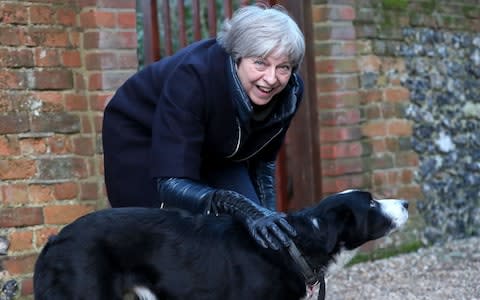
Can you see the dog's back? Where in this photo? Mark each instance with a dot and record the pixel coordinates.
(108, 253)
(174, 255)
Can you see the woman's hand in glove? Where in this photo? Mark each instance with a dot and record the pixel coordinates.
(268, 228)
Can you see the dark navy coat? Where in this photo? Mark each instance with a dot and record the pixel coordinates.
(180, 116)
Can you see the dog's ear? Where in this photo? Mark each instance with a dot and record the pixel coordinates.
(332, 237)
(337, 219)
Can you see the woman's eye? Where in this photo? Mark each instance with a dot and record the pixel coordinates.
(259, 62)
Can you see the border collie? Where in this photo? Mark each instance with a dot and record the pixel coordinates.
(170, 254)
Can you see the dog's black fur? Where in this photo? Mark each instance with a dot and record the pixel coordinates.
(179, 256)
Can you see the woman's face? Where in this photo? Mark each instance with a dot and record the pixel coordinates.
(263, 78)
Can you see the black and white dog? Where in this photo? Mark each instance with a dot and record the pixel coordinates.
(169, 254)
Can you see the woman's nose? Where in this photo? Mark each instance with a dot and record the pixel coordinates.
(270, 76)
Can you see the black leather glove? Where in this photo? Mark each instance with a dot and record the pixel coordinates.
(268, 228)
(264, 182)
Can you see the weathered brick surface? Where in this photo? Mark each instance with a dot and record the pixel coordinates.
(50, 119)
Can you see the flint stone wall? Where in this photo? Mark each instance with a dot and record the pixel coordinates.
(443, 76)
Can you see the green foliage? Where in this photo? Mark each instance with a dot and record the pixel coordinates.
(386, 253)
(395, 4)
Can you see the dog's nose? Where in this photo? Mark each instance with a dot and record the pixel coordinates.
(405, 204)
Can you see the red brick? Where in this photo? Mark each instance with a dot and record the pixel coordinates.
(17, 265)
(128, 61)
(13, 79)
(75, 39)
(33, 146)
(127, 19)
(342, 150)
(14, 194)
(46, 37)
(83, 145)
(97, 19)
(399, 127)
(87, 124)
(50, 101)
(21, 240)
(375, 129)
(340, 117)
(41, 193)
(115, 4)
(340, 134)
(333, 13)
(27, 286)
(20, 216)
(43, 233)
(75, 102)
(53, 79)
(17, 169)
(11, 36)
(60, 144)
(42, 14)
(382, 161)
(47, 57)
(9, 146)
(80, 81)
(16, 58)
(13, 13)
(64, 214)
(337, 83)
(14, 123)
(338, 99)
(334, 32)
(335, 48)
(339, 167)
(338, 184)
(59, 122)
(101, 61)
(110, 40)
(66, 16)
(372, 112)
(407, 159)
(396, 94)
(370, 96)
(107, 80)
(98, 101)
(329, 65)
(67, 190)
(71, 58)
(89, 191)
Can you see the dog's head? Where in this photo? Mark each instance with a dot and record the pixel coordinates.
(352, 218)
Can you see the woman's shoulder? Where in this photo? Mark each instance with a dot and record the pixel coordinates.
(200, 53)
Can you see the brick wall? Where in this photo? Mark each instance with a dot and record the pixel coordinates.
(60, 61)
(364, 135)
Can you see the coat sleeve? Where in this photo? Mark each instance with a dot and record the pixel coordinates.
(178, 126)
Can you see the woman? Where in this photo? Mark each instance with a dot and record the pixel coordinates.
(200, 130)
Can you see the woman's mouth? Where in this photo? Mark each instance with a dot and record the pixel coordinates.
(265, 89)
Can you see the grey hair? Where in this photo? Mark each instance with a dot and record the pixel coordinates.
(256, 31)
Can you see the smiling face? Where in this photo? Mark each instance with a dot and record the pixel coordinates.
(264, 77)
